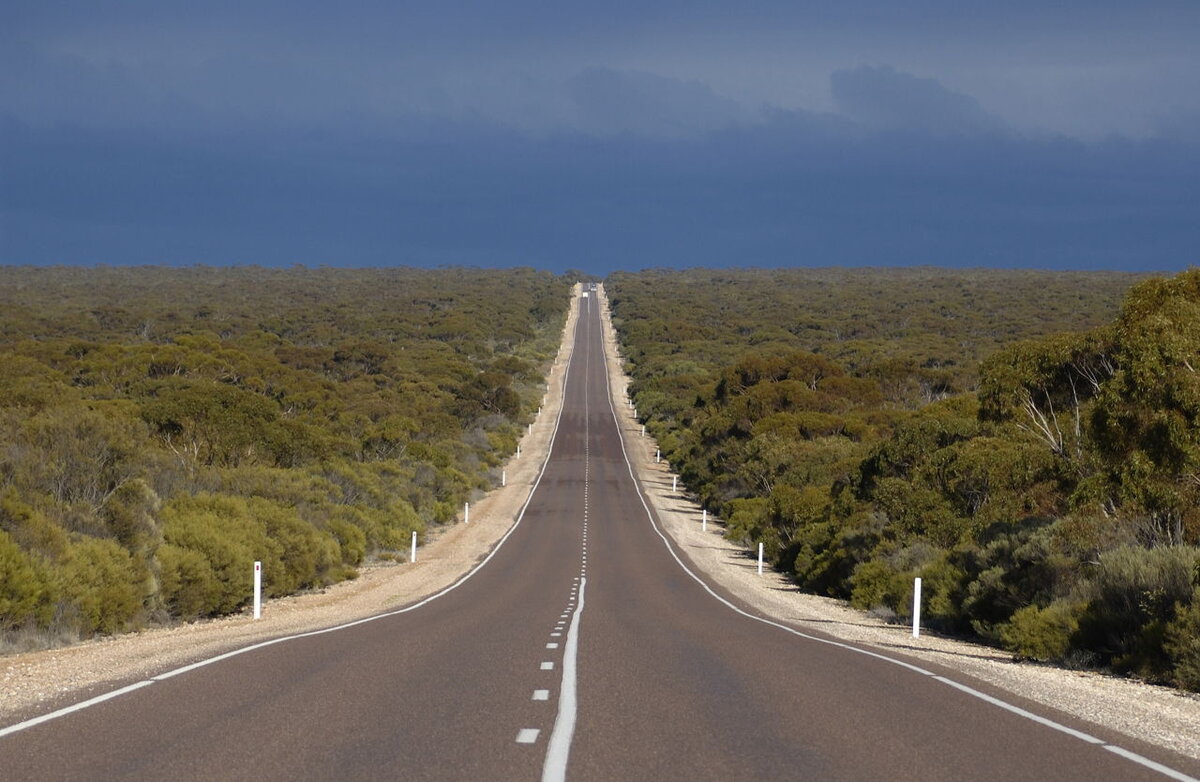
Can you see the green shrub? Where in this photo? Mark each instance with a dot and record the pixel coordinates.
(104, 584)
(942, 586)
(129, 515)
(1182, 644)
(230, 540)
(1134, 595)
(307, 555)
(746, 519)
(27, 593)
(877, 583)
(1036, 633)
(30, 528)
(231, 533)
(917, 511)
(351, 540)
(828, 553)
(188, 587)
(1015, 565)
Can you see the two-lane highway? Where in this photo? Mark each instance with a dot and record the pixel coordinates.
(582, 648)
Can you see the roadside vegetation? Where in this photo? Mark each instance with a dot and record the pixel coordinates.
(1028, 443)
(161, 429)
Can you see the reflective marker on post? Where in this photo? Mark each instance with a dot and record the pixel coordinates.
(916, 608)
(257, 590)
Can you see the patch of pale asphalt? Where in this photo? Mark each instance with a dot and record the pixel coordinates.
(1158, 715)
(34, 681)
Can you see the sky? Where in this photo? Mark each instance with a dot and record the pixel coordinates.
(1057, 134)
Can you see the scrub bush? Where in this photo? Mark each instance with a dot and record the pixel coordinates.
(188, 586)
(1135, 593)
(1182, 644)
(877, 583)
(27, 593)
(1036, 633)
(104, 585)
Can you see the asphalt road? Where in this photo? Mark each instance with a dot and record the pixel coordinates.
(581, 648)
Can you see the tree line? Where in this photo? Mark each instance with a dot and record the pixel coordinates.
(162, 428)
(1028, 443)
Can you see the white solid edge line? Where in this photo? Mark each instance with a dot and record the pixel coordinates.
(74, 707)
(1166, 771)
(558, 749)
(29, 723)
(1131, 756)
(983, 696)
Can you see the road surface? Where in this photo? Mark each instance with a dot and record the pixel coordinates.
(580, 649)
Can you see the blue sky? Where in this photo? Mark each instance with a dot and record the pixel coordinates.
(602, 135)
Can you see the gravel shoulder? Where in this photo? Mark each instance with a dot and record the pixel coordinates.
(1157, 715)
(36, 682)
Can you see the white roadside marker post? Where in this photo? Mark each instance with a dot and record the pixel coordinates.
(466, 513)
(258, 590)
(916, 608)
(657, 455)
(518, 451)
(704, 520)
(760, 559)
(529, 429)
(412, 557)
(503, 478)
(643, 430)
(674, 482)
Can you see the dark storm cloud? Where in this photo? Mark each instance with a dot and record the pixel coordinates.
(799, 189)
(882, 97)
(609, 101)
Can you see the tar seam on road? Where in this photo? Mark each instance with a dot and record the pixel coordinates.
(29, 723)
(558, 750)
(1127, 754)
